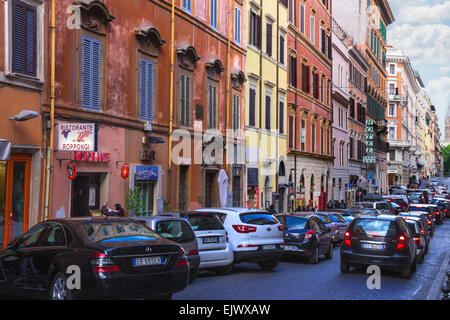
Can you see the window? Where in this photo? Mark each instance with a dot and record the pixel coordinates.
(293, 71)
(322, 40)
(282, 49)
(252, 108)
(312, 29)
(352, 108)
(392, 109)
(313, 138)
(185, 100)
(237, 25)
(391, 89)
(392, 68)
(146, 195)
(291, 11)
(351, 151)
(187, 5)
(255, 29)
(392, 155)
(302, 18)
(269, 39)
(212, 103)
(316, 85)
(321, 90)
(213, 13)
(391, 133)
(24, 38)
(291, 132)
(321, 139)
(91, 51)
(236, 111)
(305, 78)
(281, 115)
(303, 134)
(267, 115)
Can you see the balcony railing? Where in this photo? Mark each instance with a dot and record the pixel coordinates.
(399, 143)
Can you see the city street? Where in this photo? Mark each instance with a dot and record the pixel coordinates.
(293, 280)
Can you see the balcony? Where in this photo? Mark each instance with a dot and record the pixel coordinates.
(394, 97)
(400, 143)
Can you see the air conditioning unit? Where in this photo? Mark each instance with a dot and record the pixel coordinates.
(147, 126)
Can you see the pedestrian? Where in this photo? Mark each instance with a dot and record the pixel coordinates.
(272, 209)
(117, 212)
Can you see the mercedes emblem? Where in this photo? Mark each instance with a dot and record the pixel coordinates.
(148, 249)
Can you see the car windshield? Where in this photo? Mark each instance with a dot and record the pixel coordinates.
(258, 218)
(201, 222)
(325, 218)
(295, 222)
(174, 229)
(374, 227)
(415, 196)
(412, 208)
(110, 231)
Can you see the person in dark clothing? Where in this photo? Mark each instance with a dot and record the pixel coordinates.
(117, 212)
(272, 209)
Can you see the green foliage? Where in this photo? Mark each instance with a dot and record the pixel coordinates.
(134, 201)
(446, 156)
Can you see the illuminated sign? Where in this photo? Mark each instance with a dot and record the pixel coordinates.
(91, 156)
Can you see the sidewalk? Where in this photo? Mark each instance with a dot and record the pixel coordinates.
(441, 277)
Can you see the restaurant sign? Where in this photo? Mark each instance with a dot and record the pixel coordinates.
(91, 156)
(77, 137)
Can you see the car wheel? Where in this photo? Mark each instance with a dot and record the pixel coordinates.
(314, 259)
(193, 275)
(329, 255)
(268, 265)
(58, 289)
(414, 266)
(421, 258)
(406, 272)
(224, 270)
(345, 267)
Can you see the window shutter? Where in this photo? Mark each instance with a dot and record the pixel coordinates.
(282, 49)
(91, 57)
(86, 72)
(268, 112)
(269, 39)
(96, 74)
(252, 115)
(291, 132)
(259, 31)
(281, 129)
(330, 51)
(323, 39)
(146, 90)
(24, 41)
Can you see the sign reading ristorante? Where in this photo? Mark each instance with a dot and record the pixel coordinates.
(76, 137)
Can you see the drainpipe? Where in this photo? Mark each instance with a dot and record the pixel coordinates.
(228, 95)
(48, 184)
(277, 124)
(172, 54)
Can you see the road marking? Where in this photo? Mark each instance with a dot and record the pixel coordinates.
(435, 291)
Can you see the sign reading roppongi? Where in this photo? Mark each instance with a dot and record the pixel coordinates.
(76, 137)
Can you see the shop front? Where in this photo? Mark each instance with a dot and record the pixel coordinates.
(253, 194)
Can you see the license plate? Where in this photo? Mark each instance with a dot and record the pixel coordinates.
(211, 240)
(373, 246)
(148, 261)
(290, 248)
(269, 247)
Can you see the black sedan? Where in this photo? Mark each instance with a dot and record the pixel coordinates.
(92, 258)
(307, 236)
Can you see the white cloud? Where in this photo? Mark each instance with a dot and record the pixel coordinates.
(423, 14)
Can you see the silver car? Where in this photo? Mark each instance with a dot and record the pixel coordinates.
(179, 230)
(339, 221)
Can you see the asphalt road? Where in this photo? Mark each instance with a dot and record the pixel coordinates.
(298, 280)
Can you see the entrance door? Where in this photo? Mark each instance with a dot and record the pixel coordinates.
(236, 191)
(14, 219)
(86, 194)
(210, 175)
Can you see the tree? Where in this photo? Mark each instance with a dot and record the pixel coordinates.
(446, 156)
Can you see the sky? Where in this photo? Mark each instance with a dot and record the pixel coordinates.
(422, 30)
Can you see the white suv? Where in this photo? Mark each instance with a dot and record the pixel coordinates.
(254, 235)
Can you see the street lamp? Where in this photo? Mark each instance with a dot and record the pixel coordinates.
(25, 115)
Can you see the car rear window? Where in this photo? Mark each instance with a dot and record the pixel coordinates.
(174, 229)
(110, 231)
(201, 222)
(415, 196)
(337, 218)
(374, 227)
(296, 222)
(258, 218)
(325, 218)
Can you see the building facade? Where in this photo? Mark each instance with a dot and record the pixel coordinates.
(340, 101)
(310, 157)
(265, 128)
(23, 61)
(401, 116)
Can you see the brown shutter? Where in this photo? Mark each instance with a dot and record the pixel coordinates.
(252, 115)
(269, 39)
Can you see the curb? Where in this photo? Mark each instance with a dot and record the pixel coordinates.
(435, 292)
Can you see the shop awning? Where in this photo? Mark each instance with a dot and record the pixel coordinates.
(5, 149)
(154, 140)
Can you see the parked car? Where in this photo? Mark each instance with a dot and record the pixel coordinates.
(419, 238)
(338, 220)
(385, 207)
(444, 206)
(306, 236)
(254, 235)
(382, 240)
(401, 200)
(398, 190)
(350, 214)
(117, 257)
(426, 221)
(212, 238)
(179, 230)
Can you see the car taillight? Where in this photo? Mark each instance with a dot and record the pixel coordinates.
(422, 231)
(182, 260)
(102, 264)
(309, 234)
(429, 221)
(244, 229)
(280, 227)
(193, 252)
(401, 242)
(417, 241)
(347, 240)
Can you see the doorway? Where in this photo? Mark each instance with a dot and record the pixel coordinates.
(85, 195)
(15, 197)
